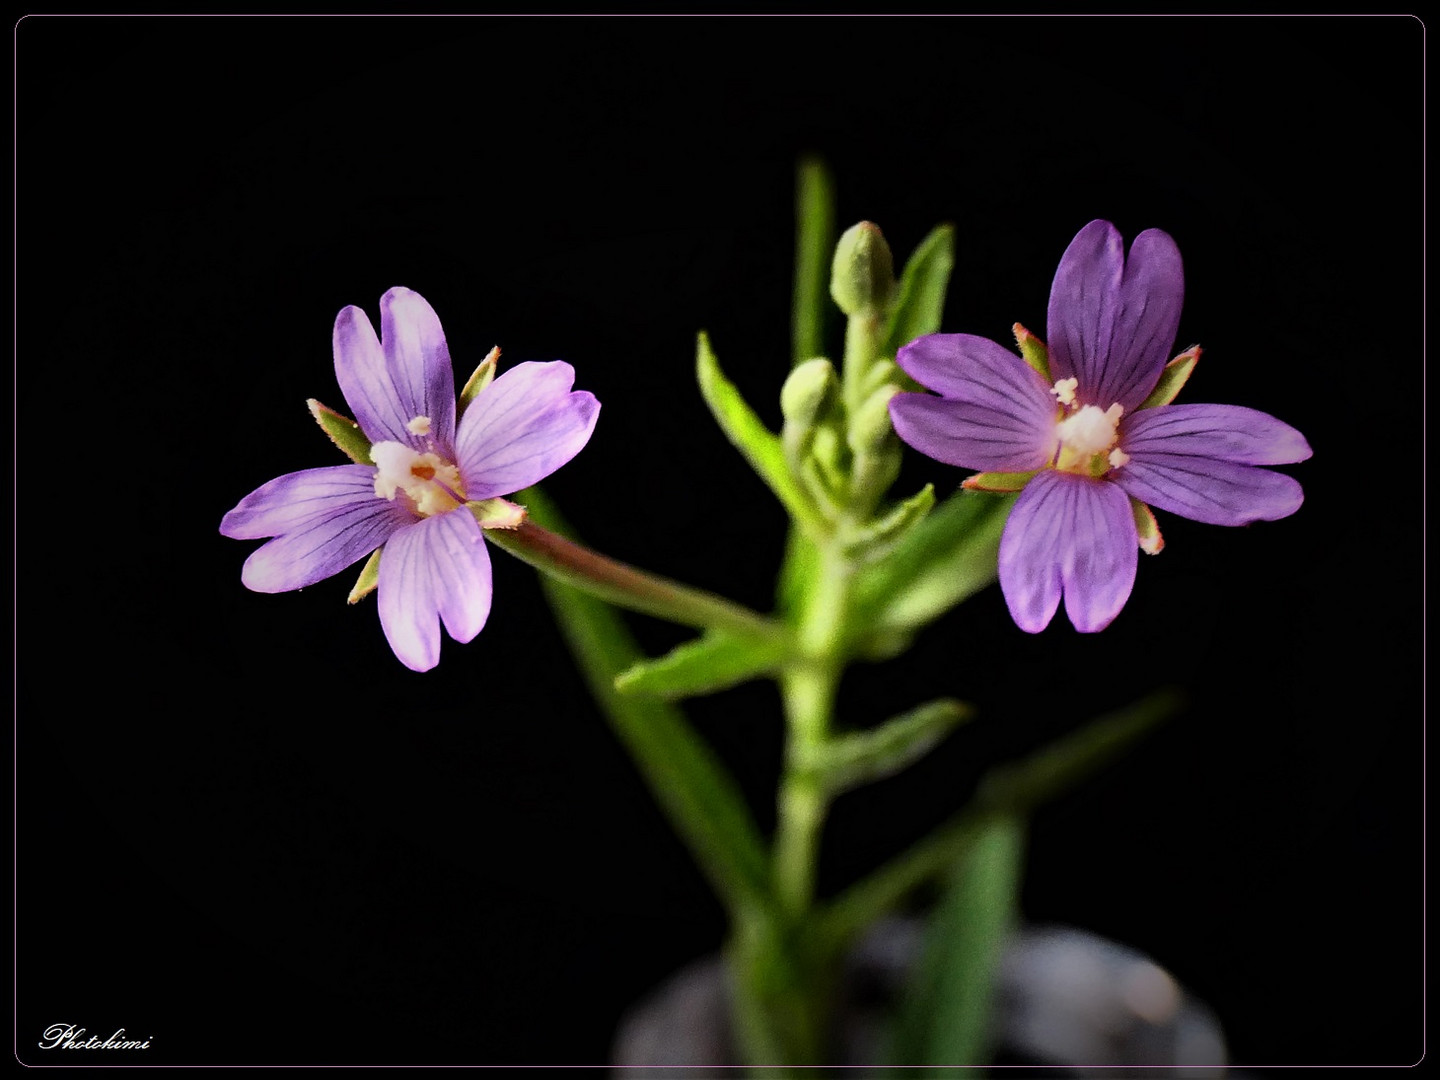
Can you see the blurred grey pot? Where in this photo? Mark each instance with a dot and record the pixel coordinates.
(1065, 998)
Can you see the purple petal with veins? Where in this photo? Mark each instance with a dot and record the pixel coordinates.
(1068, 536)
(522, 427)
(437, 570)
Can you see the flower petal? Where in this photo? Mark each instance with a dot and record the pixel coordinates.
(995, 412)
(1073, 535)
(1208, 489)
(323, 520)
(522, 427)
(1227, 432)
(436, 570)
(1112, 321)
(389, 383)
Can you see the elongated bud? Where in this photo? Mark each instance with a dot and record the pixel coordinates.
(862, 277)
(805, 399)
(870, 427)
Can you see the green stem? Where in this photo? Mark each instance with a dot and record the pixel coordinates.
(627, 587)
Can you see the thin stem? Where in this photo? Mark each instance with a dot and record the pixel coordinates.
(626, 586)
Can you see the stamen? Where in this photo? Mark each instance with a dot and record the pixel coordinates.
(1065, 391)
(1118, 458)
(420, 425)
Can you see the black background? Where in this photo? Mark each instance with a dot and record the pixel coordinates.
(247, 832)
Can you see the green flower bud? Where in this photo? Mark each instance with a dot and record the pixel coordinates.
(862, 277)
(870, 427)
(805, 399)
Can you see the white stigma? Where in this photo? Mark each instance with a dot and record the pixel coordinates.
(1088, 430)
(1065, 390)
(419, 426)
(431, 482)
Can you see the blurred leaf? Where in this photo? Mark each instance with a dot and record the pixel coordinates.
(945, 1020)
(920, 301)
(876, 538)
(863, 757)
(760, 446)
(697, 794)
(1055, 769)
(713, 662)
(947, 557)
(814, 240)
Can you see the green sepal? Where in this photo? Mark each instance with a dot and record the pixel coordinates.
(875, 539)
(1033, 351)
(944, 1020)
(949, 556)
(920, 299)
(716, 661)
(863, 757)
(369, 577)
(479, 379)
(1147, 528)
(862, 275)
(497, 513)
(1002, 482)
(343, 432)
(760, 446)
(1172, 379)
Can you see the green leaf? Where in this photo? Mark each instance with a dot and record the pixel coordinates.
(1003, 482)
(699, 796)
(945, 1020)
(713, 662)
(814, 241)
(863, 757)
(343, 432)
(920, 301)
(1059, 767)
(947, 557)
(1014, 789)
(875, 539)
(760, 446)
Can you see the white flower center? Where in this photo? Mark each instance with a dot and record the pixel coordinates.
(429, 483)
(1087, 435)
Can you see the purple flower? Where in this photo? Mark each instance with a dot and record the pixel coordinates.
(413, 498)
(1087, 434)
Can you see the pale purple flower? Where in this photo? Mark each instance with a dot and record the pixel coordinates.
(401, 390)
(1101, 440)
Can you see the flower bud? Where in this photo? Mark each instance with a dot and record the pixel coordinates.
(806, 397)
(863, 274)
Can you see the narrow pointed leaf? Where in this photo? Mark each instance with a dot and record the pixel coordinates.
(876, 538)
(863, 757)
(698, 795)
(760, 446)
(713, 662)
(919, 302)
(945, 1020)
(814, 241)
(950, 555)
